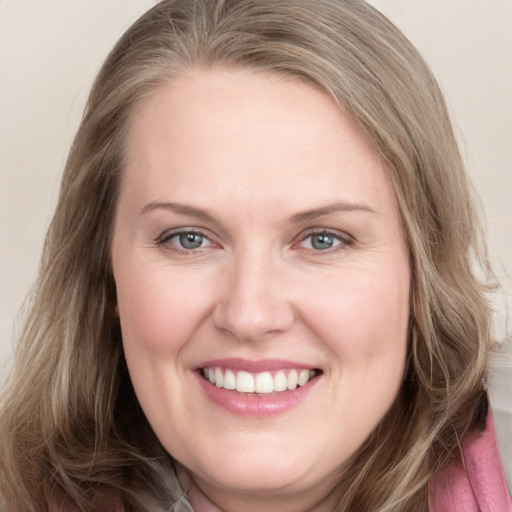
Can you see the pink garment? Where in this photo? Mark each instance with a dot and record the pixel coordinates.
(481, 486)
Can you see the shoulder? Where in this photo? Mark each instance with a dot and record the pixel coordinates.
(475, 481)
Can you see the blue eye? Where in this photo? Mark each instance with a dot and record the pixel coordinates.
(189, 240)
(184, 240)
(323, 241)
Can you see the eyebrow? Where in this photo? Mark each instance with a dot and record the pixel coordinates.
(183, 209)
(206, 216)
(330, 209)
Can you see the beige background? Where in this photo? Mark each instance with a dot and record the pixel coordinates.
(50, 51)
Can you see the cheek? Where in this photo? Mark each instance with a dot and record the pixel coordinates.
(158, 311)
(362, 317)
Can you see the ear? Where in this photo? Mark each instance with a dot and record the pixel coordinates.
(116, 310)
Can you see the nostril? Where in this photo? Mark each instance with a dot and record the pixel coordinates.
(254, 321)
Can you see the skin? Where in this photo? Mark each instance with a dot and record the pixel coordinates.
(256, 152)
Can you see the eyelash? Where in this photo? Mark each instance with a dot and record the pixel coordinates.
(165, 238)
(344, 240)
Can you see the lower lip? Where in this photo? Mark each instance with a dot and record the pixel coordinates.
(256, 405)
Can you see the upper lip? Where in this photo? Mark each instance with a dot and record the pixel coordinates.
(254, 366)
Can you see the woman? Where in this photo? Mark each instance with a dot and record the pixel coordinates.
(257, 291)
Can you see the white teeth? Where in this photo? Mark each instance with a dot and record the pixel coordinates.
(245, 382)
(280, 383)
(292, 379)
(229, 380)
(264, 383)
(261, 383)
(303, 377)
(218, 377)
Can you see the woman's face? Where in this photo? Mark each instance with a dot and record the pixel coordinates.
(257, 244)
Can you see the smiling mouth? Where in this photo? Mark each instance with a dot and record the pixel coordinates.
(258, 383)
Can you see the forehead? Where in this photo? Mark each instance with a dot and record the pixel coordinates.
(228, 131)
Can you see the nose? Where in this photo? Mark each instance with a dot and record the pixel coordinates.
(253, 303)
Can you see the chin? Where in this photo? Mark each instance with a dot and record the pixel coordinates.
(260, 474)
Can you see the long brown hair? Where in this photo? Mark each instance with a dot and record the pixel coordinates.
(70, 424)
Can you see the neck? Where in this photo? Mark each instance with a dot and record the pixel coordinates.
(205, 498)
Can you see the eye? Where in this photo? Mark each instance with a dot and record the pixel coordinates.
(188, 240)
(325, 241)
(185, 240)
